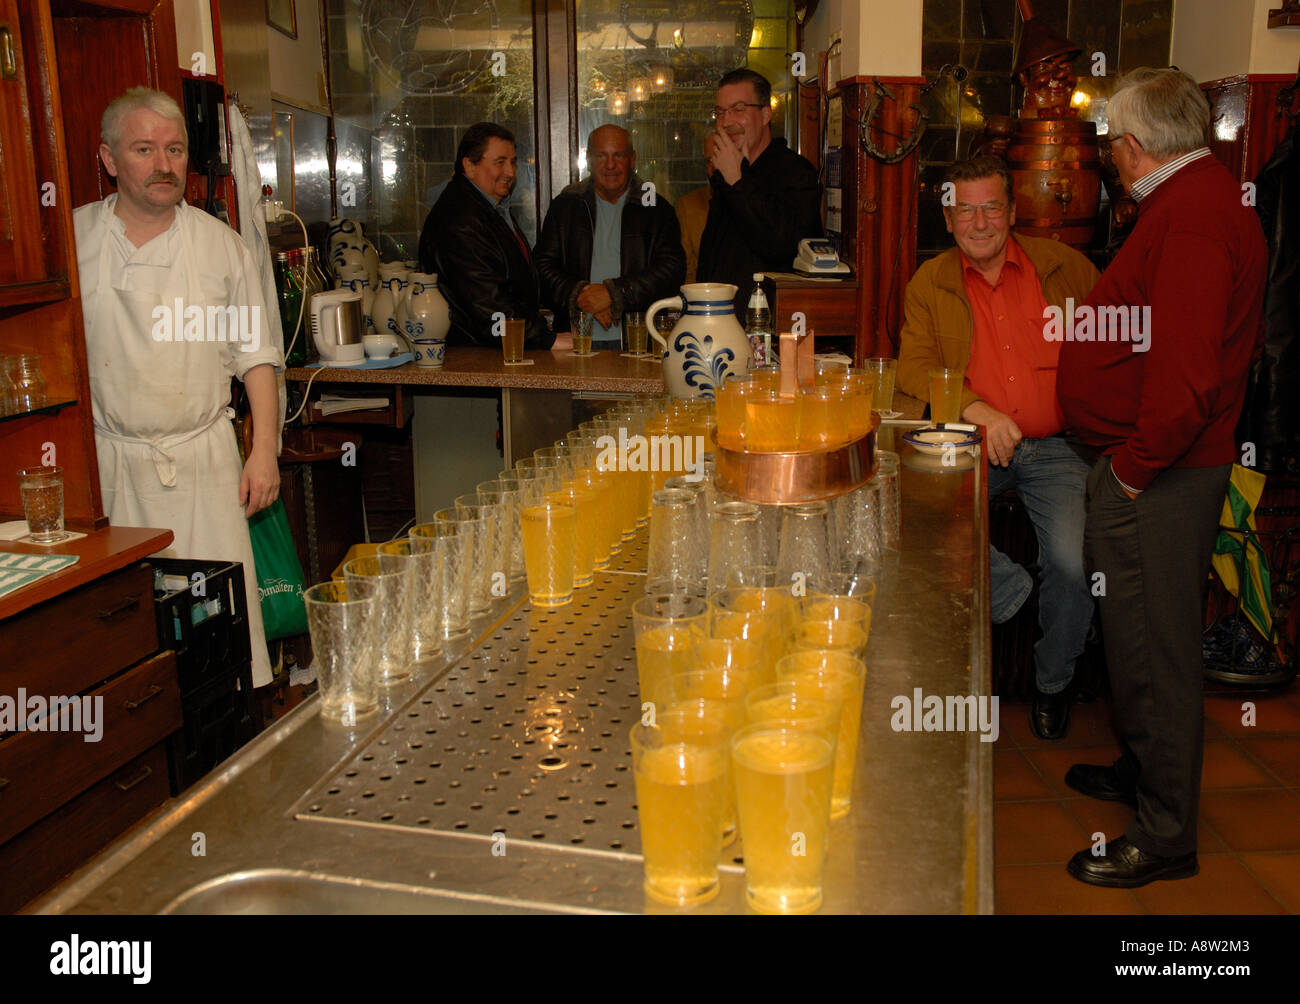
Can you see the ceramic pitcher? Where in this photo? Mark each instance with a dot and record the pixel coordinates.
(427, 315)
(707, 343)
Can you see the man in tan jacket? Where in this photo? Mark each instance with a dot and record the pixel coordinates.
(981, 307)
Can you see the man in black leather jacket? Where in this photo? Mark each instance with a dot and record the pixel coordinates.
(766, 198)
(645, 260)
(472, 243)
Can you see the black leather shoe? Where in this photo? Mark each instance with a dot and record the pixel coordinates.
(1049, 716)
(1126, 866)
(1097, 781)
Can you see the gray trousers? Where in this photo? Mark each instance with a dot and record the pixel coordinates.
(1154, 552)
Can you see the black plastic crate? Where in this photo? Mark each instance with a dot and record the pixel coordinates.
(218, 720)
(208, 632)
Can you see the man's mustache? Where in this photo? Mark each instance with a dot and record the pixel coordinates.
(170, 178)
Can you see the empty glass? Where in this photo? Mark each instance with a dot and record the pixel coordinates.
(857, 518)
(26, 383)
(807, 542)
(493, 543)
(340, 617)
(673, 564)
(506, 491)
(735, 541)
(394, 627)
(886, 481)
(426, 599)
(454, 541)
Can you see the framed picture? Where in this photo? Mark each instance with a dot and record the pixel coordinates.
(282, 15)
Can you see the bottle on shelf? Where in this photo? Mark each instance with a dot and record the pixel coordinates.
(758, 323)
(289, 266)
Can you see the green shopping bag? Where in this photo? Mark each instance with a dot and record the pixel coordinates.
(280, 581)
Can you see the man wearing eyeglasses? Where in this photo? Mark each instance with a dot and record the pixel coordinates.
(1161, 412)
(766, 197)
(604, 249)
(979, 307)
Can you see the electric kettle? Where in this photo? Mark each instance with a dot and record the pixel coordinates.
(336, 327)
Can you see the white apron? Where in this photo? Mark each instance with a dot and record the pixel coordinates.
(166, 447)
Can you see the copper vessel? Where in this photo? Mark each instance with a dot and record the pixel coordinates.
(1056, 169)
(796, 477)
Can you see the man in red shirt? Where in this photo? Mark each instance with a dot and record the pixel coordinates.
(979, 307)
(1153, 370)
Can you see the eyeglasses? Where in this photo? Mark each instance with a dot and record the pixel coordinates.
(734, 109)
(965, 212)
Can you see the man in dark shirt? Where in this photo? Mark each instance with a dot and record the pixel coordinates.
(1152, 373)
(472, 243)
(766, 197)
(605, 249)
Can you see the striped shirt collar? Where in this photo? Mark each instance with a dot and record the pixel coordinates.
(1145, 185)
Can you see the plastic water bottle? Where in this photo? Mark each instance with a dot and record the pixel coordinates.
(758, 323)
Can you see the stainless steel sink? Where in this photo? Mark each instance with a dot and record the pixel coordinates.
(282, 891)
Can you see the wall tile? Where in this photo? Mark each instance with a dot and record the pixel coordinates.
(1145, 33)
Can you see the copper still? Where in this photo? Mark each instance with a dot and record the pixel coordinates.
(1056, 170)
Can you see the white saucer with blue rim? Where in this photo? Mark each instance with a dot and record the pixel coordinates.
(936, 440)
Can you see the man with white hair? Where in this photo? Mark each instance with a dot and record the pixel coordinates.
(1152, 376)
(173, 309)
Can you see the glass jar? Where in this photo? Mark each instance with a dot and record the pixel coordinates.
(27, 383)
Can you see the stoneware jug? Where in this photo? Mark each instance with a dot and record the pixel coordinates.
(381, 310)
(401, 303)
(427, 315)
(707, 343)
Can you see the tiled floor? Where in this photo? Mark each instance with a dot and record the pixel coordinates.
(1249, 824)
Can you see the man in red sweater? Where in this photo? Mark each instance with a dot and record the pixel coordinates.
(1152, 373)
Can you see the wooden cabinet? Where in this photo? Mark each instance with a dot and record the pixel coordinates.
(40, 309)
(96, 49)
(22, 261)
(67, 791)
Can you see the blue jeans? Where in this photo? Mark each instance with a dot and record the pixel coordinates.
(1050, 480)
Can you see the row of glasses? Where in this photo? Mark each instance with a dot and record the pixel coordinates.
(394, 609)
(695, 541)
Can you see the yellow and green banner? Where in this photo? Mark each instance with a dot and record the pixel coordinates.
(1238, 557)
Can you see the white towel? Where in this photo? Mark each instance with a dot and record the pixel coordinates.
(252, 226)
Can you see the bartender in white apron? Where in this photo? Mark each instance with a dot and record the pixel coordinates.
(161, 396)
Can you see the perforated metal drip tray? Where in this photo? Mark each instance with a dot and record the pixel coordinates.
(527, 736)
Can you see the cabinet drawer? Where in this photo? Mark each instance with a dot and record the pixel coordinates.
(81, 638)
(39, 771)
(67, 838)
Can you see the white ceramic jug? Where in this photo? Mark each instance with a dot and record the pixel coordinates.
(381, 310)
(427, 314)
(401, 305)
(706, 344)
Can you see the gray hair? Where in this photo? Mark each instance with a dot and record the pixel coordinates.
(110, 126)
(1163, 110)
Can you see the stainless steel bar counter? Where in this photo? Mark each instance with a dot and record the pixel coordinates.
(500, 780)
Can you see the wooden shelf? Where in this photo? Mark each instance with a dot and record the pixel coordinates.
(34, 293)
(46, 409)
